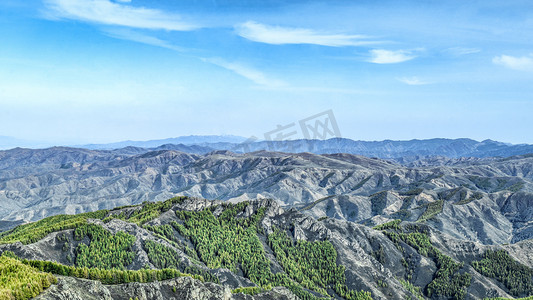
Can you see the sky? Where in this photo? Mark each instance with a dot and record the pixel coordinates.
(99, 71)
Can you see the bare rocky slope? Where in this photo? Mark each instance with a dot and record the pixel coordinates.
(486, 200)
(70, 288)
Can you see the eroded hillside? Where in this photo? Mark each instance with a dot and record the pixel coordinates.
(485, 200)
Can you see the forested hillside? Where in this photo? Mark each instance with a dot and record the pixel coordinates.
(255, 248)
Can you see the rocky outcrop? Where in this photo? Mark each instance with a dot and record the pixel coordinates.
(180, 288)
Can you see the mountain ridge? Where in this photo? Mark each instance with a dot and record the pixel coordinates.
(388, 149)
(407, 150)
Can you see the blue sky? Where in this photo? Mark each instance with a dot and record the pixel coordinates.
(95, 71)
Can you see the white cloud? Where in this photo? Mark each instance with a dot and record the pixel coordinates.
(412, 81)
(111, 13)
(254, 75)
(381, 56)
(283, 35)
(523, 63)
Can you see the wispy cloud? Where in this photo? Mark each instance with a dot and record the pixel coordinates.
(318, 89)
(459, 51)
(381, 56)
(278, 35)
(247, 72)
(131, 35)
(112, 13)
(523, 63)
(413, 81)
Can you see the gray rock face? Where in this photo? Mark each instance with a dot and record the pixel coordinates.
(181, 288)
(69, 288)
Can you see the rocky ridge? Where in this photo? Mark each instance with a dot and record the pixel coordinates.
(69, 288)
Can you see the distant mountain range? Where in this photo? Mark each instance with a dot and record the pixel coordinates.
(185, 140)
(452, 148)
(7, 142)
(401, 151)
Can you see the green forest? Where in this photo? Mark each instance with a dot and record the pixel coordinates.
(448, 280)
(147, 211)
(20, 281)
(14, 270)
(139, 214)
(232, 242)
(32, 232)
(163, 257)
(499, 265)
(105, 250)
(110, 276)
(312, 264)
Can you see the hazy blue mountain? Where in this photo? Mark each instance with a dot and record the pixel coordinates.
(404, 151)
(388, 149)
(185, 140)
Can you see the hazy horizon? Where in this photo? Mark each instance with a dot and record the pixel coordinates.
(7, 143)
